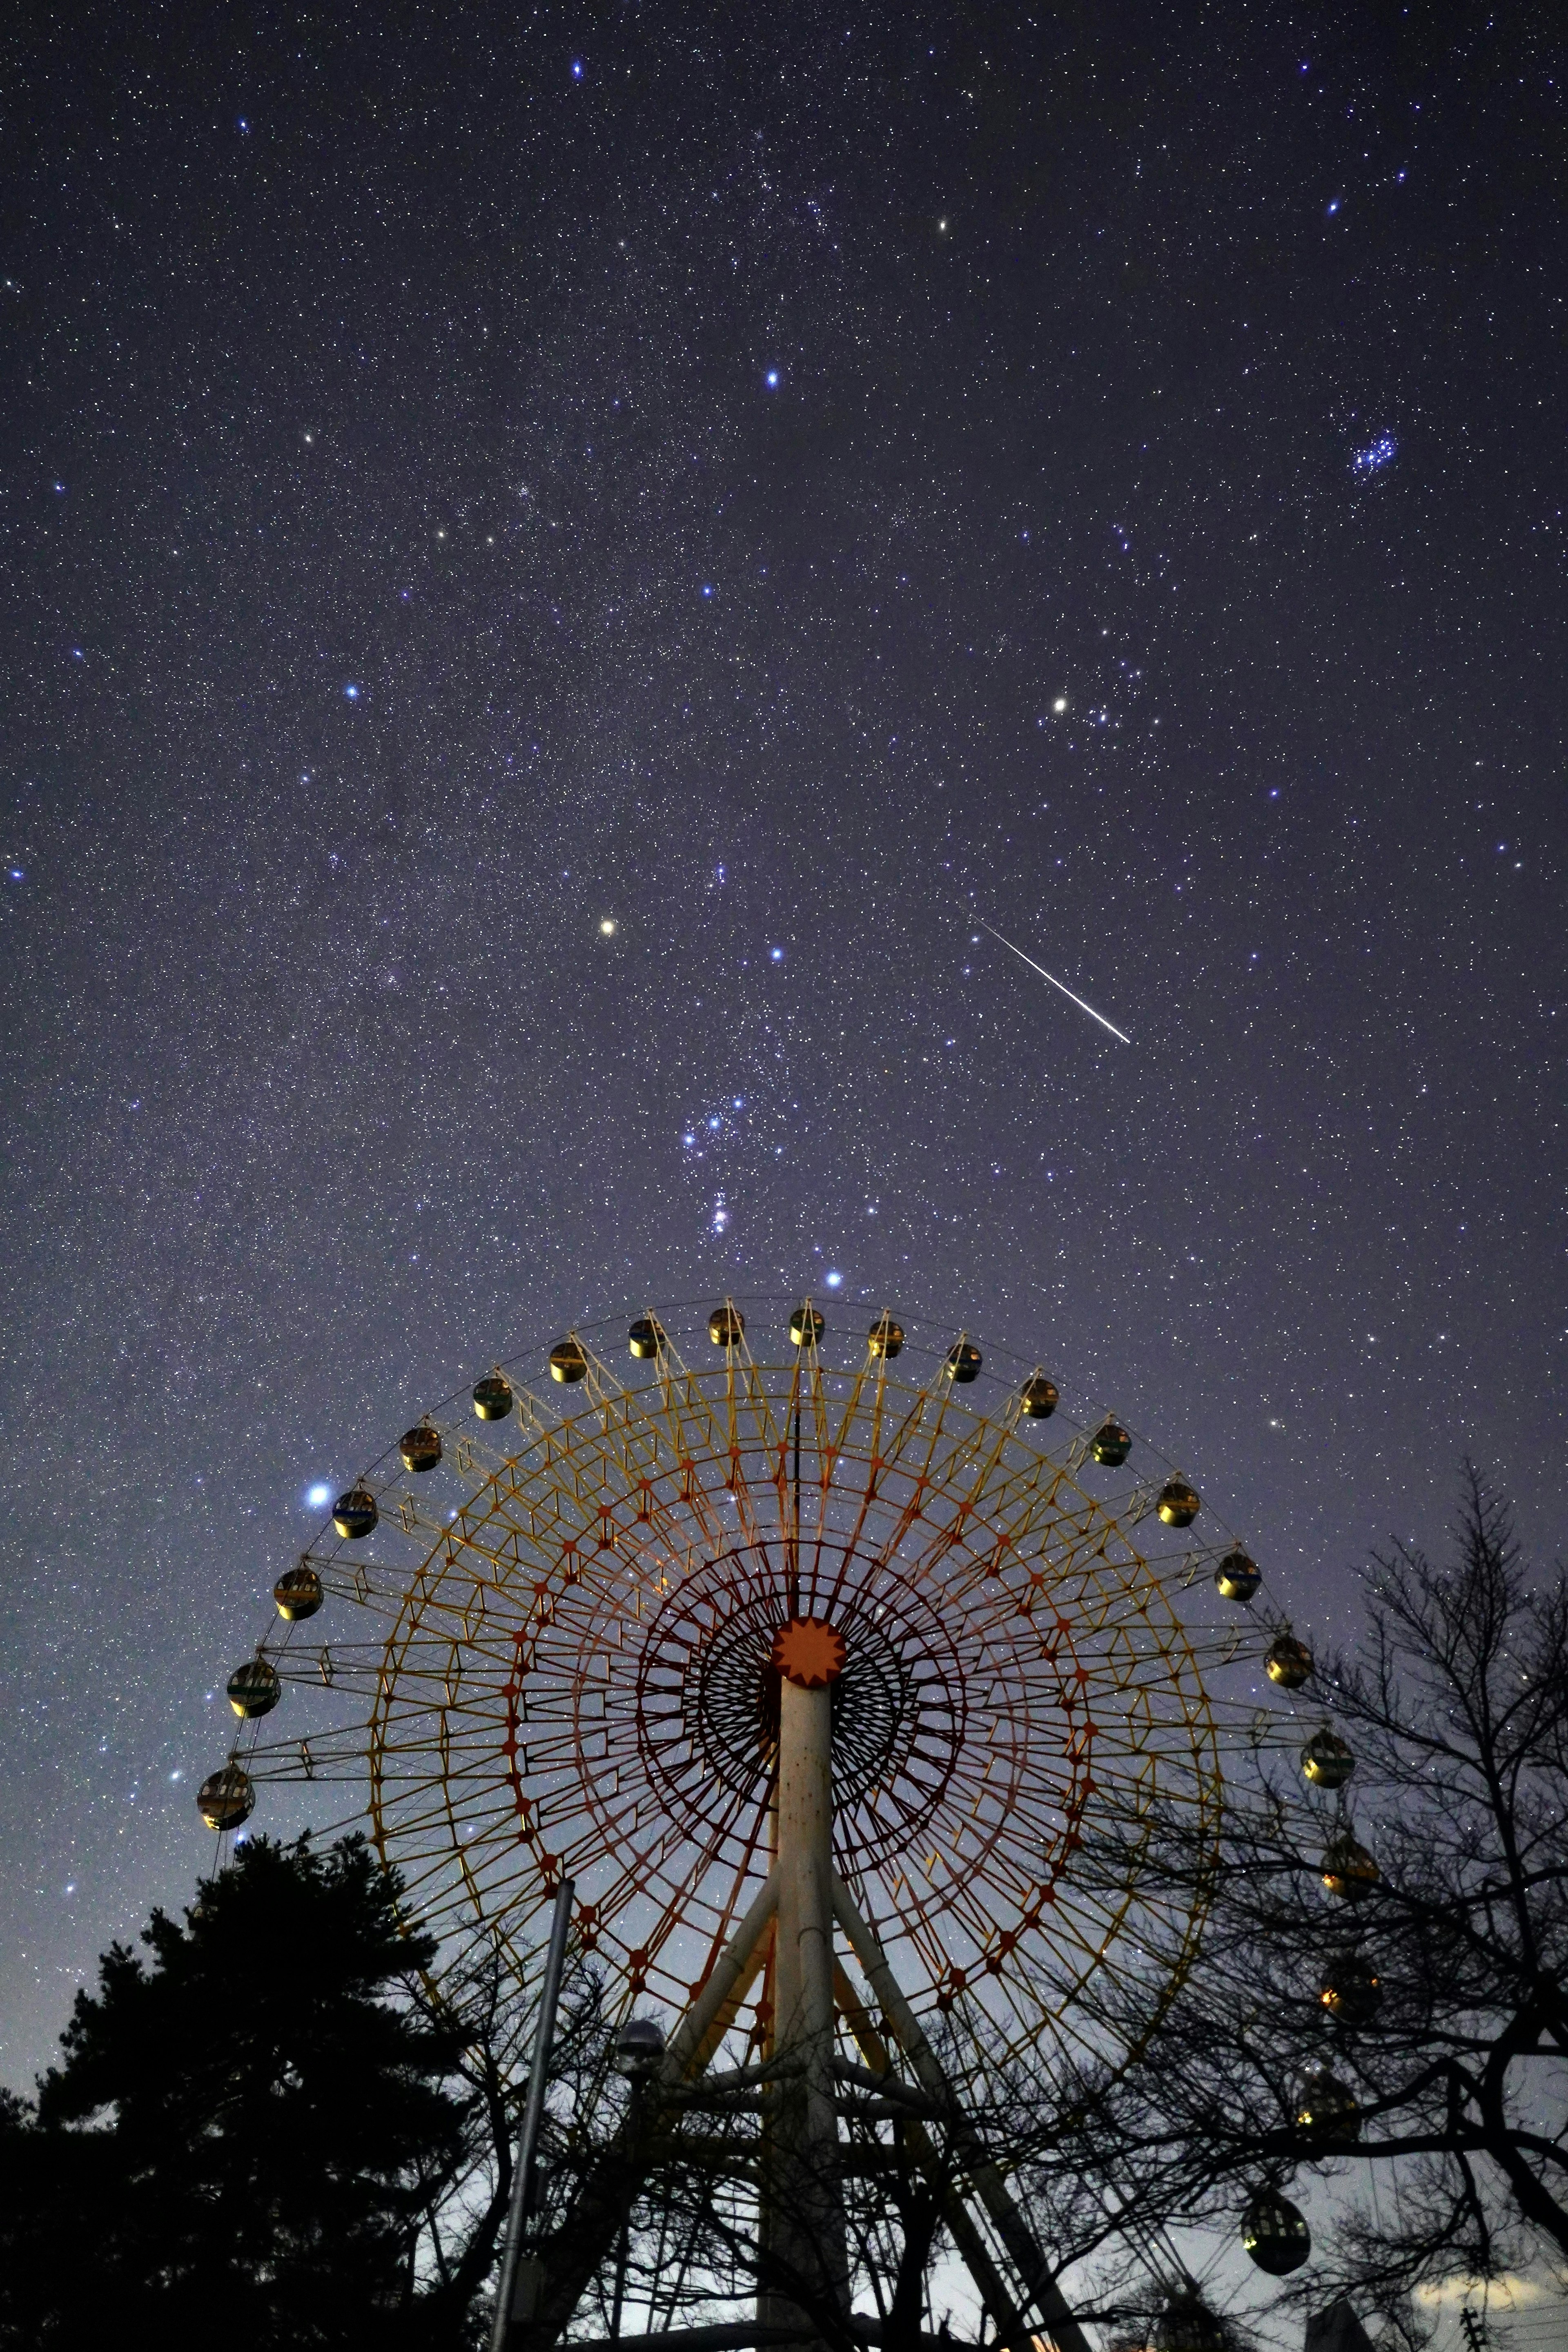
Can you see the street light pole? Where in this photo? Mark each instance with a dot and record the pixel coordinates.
(512, 2274)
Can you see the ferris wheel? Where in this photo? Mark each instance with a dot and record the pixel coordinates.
(663, 1603)
(540, 1642)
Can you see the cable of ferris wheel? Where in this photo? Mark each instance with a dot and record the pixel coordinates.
(1151, 2242)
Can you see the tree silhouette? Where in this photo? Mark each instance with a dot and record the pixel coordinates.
(248, 2127)
(1411, 2034)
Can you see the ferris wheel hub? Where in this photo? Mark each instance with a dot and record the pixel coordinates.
(810, 1653)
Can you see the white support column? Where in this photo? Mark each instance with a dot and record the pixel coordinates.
(803, 1966)
(804, 2221)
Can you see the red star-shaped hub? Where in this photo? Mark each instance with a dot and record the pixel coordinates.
(809, 1652)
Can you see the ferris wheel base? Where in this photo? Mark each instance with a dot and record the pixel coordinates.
(1027, 2310)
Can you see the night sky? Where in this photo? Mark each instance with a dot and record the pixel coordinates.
(767, 481)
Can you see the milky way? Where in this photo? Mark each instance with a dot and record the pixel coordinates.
(541, 560)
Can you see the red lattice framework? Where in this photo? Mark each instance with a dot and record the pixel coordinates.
(573, 1676)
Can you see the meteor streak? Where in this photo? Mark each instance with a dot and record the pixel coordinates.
(1052, 978)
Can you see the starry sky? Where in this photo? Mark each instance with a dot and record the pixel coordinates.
(553, 558)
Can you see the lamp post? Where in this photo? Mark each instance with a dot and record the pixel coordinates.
(519, 2280)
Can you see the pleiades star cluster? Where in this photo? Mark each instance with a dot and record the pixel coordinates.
(566, 573)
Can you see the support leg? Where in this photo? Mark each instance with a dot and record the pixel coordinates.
(995, 2292)
(605, 2201)
(1026, 2255)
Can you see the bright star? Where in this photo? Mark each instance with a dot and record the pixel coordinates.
(1060, 703)
(775, 955)
(833, 1280)
(608, 927)
(351, 693)
(771, 379)
(576, 69)
(707, 591)
(319, 1496)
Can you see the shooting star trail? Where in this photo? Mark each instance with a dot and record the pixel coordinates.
(1040, 967)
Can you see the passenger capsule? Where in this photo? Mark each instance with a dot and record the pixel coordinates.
(645, 1338)
(298, 1594)
(1327, 2108)
(1351, 1989)
(1111, 1445)
(492, 1397)
(354, 1513)
(1237, 1578)
(420, 1449)
(885, 1337)
(254, 1688)
(1274, 2233)
(1326, 1760)
(963, 1363)
(1179, 1504)
(226, 1799)
(567, 1362)
(726, 1327)
(1288, 1661)
(806, 1327)
(1038, 1397)
(1349, 1871)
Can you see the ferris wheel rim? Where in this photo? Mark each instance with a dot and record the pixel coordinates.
(924, 1381)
